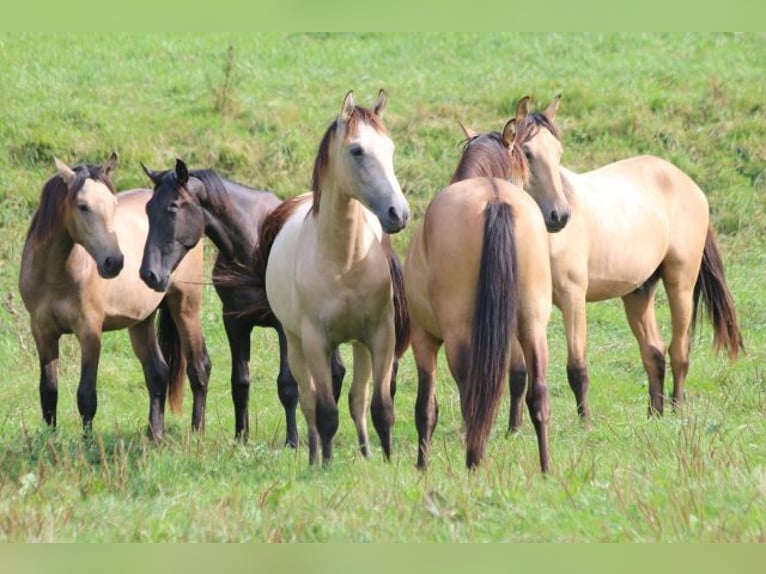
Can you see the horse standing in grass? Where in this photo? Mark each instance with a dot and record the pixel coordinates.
(185, 206)
(328, 278)
(79, 274)
(477, 280)
(632, 223)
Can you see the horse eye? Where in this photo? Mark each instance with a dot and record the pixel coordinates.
(83, 208)
(356, 151)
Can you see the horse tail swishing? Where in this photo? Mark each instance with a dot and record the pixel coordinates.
(711, 288)
(494, 323)
(170, 345)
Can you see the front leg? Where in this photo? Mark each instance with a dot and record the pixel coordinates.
(307, 392)
(573, 312)
(87, 400)
(48, 354)
(317, 351)
(287, 389)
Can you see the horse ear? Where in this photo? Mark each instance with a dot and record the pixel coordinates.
(380, 105)
(509, 132)
(153, 175)
(522, 109)
(469, 133)
(550, 111)
(110, 164)
(182, 172)
(348, 106)
(66, 172)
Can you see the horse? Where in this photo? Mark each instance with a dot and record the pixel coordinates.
(477, 280)
(631, 224)
(328, 279)
(187, 205)
(79, 275)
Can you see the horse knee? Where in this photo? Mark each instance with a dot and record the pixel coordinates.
(287, 389)
(326, 420)
(240, 389)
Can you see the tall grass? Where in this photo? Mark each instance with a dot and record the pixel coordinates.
(253, 107)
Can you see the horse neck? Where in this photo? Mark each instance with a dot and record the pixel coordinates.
(52, 255)
(344, 234)
(227, 224)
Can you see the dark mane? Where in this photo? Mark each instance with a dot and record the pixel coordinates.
(55, 196)
(217, 196)
(526, 131)
(359, 114)
(484, 155)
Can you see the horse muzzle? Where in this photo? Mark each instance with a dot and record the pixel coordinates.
(153, 280)
(395, 219)
(557, 220)
(111, 265)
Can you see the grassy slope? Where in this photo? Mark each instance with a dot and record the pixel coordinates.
(696, 100)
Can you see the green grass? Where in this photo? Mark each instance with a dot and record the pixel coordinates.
(254, 107)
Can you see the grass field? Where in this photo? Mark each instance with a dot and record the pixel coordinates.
(254, 107)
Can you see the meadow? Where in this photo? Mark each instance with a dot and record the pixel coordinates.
(254, 107)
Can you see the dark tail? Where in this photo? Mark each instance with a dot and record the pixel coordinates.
(711, 285)
(494, 324)
(401, 313)
(170, 345)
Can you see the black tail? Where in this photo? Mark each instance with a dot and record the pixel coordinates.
(711, 285)
(170, 345)
(494, 324)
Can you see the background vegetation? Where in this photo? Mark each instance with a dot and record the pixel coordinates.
(253, 107)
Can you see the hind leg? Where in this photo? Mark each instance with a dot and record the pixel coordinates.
(143, 339)
(185, 308)
(535, 345)
(639, 309)
(238, 334)
(425, 348)
(48, 354)
(358, 395)
(680, 290)
(287, 389)
(517, 382)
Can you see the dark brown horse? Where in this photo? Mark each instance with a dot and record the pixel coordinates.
(630, 224)
(79, 274)
(185, 206)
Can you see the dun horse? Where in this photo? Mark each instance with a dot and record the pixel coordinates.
(79, 274)
(477, 280)
(327, 274)
(185, 206)
(632, 223)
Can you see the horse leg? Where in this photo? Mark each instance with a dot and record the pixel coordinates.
(87, 400)
(48, 354)
(306, 392)
(358, 395)
(572, 305)
(425, 348)
(338, 372)
(287, 389)
(535, 346)
(639, 308)
(382, 408)
(238, 334)
(517, 381)
(317, 360)
(143, 339)
(185, 309)
(680, 291)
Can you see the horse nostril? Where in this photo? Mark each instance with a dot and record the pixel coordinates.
(393, 214)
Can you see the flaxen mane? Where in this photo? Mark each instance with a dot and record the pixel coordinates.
(55, 196)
